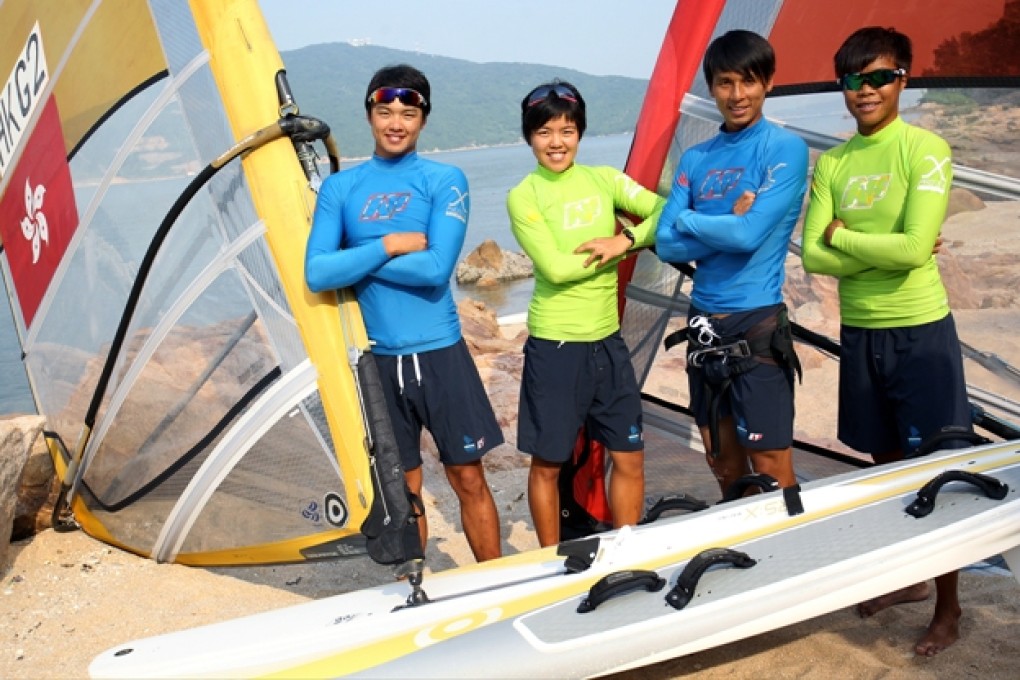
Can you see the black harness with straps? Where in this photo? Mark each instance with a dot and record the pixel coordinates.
(717, 359)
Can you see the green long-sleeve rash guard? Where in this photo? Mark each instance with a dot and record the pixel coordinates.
(891, 190)
(551, 214)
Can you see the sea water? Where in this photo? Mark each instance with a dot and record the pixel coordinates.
(491, 173)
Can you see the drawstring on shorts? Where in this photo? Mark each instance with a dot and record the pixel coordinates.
(400, 370)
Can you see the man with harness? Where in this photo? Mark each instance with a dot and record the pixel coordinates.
(732, 207)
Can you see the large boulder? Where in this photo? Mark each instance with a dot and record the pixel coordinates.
(17, 437)
(490, 265)
(499, 359)
(37, 493)
(963, 200)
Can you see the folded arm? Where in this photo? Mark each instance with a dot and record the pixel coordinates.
(434, 265)
(670, 244)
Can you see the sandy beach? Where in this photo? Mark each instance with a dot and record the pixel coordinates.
(67, 597)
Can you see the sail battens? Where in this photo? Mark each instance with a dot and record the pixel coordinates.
(128, 147)
(158, 335)
(208, 389)
(273, 405)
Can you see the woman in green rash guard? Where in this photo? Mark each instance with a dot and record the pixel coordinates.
(577, 369)
(877, 205)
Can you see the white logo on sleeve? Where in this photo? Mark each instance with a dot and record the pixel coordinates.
(34, 226)
(935, 179)
(630, 188)
(458, 208)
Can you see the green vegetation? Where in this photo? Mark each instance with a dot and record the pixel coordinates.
(950, 98)
(472, 104)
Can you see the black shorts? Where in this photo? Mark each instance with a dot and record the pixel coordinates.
(441, 391)
(760, 400)
(567, 385)
(898, 386)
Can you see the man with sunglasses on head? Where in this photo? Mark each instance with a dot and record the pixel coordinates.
(732, 208)
(577, 368)
(393, 227)
(877, 206)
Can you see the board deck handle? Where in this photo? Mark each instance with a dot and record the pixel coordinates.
(679, 501)
(618, 583)
(925, 501)
(683, 592)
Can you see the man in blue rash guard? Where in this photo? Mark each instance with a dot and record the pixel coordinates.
(393, 227)
(732, 207)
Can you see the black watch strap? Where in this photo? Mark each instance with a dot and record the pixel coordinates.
(629, 234)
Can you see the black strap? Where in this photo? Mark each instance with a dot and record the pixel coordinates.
(619, 583)
(925, 502)
(678, 501)
(675, 338)
(683, 592)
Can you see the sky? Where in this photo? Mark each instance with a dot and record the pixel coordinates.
(599, 37)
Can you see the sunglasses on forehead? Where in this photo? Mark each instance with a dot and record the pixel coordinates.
(876, 79)
(406, 96)
(540, 94)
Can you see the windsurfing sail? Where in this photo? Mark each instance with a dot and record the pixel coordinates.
(202, 405)
(963, 85)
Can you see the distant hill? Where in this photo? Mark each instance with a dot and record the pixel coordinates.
(472, 104)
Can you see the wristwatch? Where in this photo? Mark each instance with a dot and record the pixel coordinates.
(629, 234)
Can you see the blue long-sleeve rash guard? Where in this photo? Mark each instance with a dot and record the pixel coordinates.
(740, 260)
(405, 300)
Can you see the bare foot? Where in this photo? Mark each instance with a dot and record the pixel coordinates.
(914, 593)
(942, 632)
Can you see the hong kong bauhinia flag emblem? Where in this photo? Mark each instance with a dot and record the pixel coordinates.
(33, 224)
(38, 215)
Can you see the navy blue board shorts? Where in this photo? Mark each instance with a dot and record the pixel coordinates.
(898, 386)
(567, 385)
(760, 400)
(441, 391)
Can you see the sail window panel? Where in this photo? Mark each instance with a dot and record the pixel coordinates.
(693, 129)
(87, 296)
(208, 126)
(206, 366)
(177, 32)
(313, 410)
(278, 491)
(136, 518)
(268, 297)
(90, 295)
(95, 156)
(90, 300)
(190, 247)
(653, 298)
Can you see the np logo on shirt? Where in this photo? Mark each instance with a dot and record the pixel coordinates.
(718, 182)
(582, 213)
(381, 207)
(864, 191)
